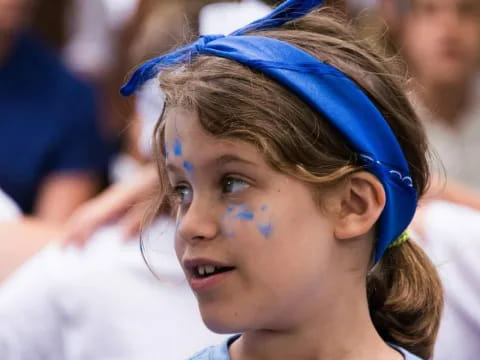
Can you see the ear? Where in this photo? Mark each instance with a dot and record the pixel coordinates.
(361, 202)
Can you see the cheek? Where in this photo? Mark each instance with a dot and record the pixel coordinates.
(247, 222)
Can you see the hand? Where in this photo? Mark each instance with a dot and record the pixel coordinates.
(116, 203)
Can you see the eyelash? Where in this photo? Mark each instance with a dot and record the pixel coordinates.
(181, 198)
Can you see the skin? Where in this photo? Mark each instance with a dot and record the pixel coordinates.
(125, 202)
(28, 236)
(441, 42)
(13, 14)
(298, 292)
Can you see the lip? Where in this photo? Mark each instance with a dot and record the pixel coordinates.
(202, 284)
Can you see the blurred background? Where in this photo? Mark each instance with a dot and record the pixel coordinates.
(76, 168)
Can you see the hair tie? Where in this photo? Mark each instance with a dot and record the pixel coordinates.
(400, 240)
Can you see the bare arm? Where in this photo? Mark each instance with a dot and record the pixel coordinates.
(453, 191)
(61, 194)
(123, 202)
(23, 238)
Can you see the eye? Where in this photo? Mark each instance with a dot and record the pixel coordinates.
(183, 194)
(231, 184)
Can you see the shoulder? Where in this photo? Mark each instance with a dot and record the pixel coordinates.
(216, 352)
(205, 354)
(406, 354)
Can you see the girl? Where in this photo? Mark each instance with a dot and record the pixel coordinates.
(295, 161)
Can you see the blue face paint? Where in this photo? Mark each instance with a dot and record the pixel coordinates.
(230, 209)
(188, 167)
(177, 147)
(265, 229)
(244, 215)
(264, 208)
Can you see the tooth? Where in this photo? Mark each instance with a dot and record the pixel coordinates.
(209, 269)
(201, 270)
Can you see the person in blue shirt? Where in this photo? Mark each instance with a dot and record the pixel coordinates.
(294, 162)
(52, 152)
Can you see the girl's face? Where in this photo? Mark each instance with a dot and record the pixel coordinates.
(256, 248)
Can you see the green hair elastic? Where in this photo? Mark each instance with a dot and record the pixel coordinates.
(400, 240)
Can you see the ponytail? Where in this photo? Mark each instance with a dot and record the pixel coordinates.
(405, 299)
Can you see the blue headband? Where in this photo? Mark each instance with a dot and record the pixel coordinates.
(330, 92)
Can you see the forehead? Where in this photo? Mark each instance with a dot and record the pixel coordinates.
(186, 138)
(181, 122)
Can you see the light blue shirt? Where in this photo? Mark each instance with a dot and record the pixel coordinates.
(220, 352)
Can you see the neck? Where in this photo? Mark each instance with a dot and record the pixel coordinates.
(344, 332)
(446, 101)
(6, 43)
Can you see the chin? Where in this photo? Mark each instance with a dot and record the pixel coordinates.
(220, 326)
(450, 75)
(221, 323)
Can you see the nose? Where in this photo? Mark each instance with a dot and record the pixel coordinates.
(199, 221)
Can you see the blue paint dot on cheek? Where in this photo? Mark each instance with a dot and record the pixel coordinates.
(265, 229)
(229, 209)
(264, 208)
(177, 147)
(245, 215)
(188, 167)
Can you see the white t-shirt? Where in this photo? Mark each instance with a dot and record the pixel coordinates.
(8, 209)
(452, 240)
(101, 303)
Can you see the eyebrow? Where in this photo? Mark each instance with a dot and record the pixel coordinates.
(228, 158)
(217, 162)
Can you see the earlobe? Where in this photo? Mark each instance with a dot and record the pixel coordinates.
(361, 202)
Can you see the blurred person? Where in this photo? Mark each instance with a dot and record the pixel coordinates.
(440, 41)
(52, 152)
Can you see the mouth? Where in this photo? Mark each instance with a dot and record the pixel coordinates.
(204, 274)
(205, 271)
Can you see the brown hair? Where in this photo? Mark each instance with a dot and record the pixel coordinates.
(404, 292)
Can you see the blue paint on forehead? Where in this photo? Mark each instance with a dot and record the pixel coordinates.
(177, 147)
